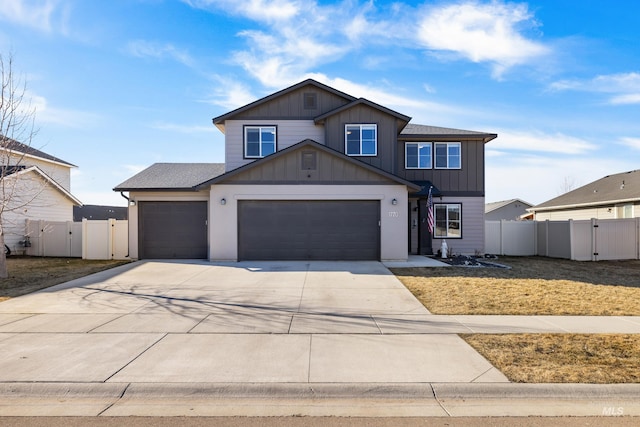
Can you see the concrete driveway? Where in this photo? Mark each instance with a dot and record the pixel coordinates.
(249, 322)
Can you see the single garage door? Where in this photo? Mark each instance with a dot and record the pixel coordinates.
(172, 230)
(309, 230)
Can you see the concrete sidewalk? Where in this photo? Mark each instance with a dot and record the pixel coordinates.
(279, 338)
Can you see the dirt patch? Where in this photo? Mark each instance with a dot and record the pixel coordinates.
(30, 274)
(562, 358)
(531, 286)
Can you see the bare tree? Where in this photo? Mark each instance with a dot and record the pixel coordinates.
(17, 117)
(568, 183)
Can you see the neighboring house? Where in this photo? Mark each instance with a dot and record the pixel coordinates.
(313, 173)
(510, 210)
(38, 186)
(99, 212)
(614, 196)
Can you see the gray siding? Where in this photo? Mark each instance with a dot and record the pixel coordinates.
(289, 169)
(363, 114)
(291, 105)
(512, 211)
(473, 227)
(469, 179)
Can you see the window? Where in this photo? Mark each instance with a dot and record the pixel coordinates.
(361, 140)
(448, 219)
(259, 141)
(417, 155)
(448, 155)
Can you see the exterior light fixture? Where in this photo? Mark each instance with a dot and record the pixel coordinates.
(223, 201)
(132, 202)
(394, 201)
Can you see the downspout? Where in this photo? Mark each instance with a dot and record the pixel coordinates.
(128, 200)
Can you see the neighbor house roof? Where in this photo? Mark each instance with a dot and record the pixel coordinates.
(425, 131)
(490, 207)
(619, 188)
(172, 177)
(220, 119)
(19, 148)
(318, 146)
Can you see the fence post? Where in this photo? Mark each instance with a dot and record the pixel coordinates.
(638, 238)
(594, 239)
(502, 221)
(112, 231)
(85, 238)
(571, 241)
(546, 238)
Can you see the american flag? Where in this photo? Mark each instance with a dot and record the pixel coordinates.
(430, 220)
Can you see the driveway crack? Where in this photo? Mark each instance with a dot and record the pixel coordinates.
(137, 357)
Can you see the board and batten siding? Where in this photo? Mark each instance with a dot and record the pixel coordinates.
(289, 132)
(363, 114)
(468, 179)
(473, 227)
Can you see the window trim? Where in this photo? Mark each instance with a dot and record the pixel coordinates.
(447, 144)
(406, 166)
(361, 125)
(260, 127)
(435, 220)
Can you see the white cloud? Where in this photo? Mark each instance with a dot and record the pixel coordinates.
(482, 33)
(623, 87)
(538, 141)
(44, 113)
(633, 143)
(230, 93)
(258, 10)
(147, 49)
(41, 15)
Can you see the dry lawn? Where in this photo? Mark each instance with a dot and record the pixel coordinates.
(533, 286)
(562, 358)
(29, 274)
(542, 286)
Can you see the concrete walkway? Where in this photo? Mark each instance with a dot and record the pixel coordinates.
(324, 338)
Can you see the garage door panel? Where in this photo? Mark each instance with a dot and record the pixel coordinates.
(173, 230)
(304, 230)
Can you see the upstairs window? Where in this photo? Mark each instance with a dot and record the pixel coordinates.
(448, 155)
(259, 141)
(417, 155)
(448, 219)
(361, 140)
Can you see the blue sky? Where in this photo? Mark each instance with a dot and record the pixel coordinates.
(121, 84)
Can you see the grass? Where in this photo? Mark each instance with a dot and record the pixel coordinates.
(30, 274)
(562, 358)
(542, 286)
(533, 286)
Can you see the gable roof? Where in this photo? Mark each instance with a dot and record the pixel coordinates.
(618, 188)
(9, 144)
(220, 119)
(492, 206)
(50, 181)
(362, 101)
(172, 177)
(425, 131)
(318, 146)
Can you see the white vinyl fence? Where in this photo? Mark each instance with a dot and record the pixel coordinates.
(96, 239)
(588, 240)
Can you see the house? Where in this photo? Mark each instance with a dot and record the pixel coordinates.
(614, 196)
(509, 210)
(38, 186)
(311, 172)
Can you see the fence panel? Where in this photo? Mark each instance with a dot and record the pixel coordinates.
(96, 239)
(616, 239)
(519, 238)
(492, 238)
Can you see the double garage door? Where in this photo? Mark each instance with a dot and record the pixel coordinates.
(172, 230)
(308, 230)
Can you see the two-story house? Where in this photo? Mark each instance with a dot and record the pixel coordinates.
(35, 185)
(313, 173)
